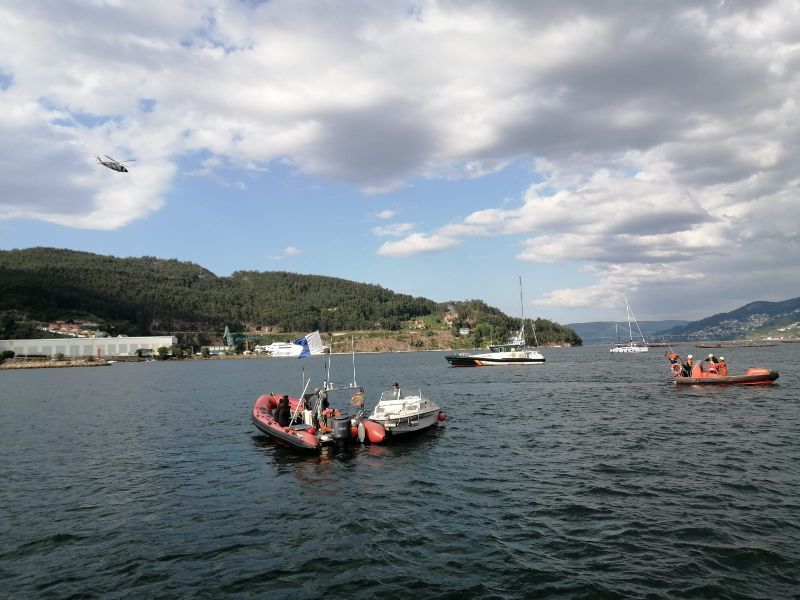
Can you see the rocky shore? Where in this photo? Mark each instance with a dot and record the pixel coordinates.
(22, 363)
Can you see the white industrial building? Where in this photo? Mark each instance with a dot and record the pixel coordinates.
(85, 347)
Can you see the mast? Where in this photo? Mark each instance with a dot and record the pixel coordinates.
(521, 313)
(522, 318)
(628, 313)
(638, 328)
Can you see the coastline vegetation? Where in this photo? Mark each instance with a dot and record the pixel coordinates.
(151, 296)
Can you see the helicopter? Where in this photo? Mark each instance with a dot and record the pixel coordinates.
(113, 164)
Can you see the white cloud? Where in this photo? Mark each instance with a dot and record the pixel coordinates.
(416, 244)
(287, 252)
(660, 133)
(393, 230)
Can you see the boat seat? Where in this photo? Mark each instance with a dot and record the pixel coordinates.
(301, 426)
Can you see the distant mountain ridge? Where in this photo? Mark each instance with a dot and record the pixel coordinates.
(756, 319)
(753, 319)
(606, 332)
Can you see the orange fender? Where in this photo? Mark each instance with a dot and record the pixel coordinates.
(373, 432)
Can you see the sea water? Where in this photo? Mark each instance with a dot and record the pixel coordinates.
(589, 476)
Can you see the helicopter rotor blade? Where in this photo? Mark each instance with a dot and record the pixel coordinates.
(109, 158)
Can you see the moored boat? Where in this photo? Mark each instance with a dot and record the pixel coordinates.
(400, 413)
(513, 352)
(631, 346)
(299, 436)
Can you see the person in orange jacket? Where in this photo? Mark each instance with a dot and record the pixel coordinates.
(723, 366)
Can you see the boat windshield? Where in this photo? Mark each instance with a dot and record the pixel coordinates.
(400, 394)
(394, 394)
(506, 348)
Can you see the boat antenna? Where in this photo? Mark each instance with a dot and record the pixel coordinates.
(301, 400)
(326, 362)
(353, 347)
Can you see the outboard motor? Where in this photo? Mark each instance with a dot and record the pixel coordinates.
(341, 429)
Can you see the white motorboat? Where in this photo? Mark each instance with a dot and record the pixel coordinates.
(304, 346)
(513, 352)
(401, 413)
(631, 346)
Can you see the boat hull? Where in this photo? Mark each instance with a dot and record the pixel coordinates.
(408, 425)
(482, 360)
(298, 437)
(752, 377)
(628, 349)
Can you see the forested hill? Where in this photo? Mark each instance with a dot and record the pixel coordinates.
(149, 295)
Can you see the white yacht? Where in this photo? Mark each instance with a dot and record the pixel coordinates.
(631, 346)
(513, 352)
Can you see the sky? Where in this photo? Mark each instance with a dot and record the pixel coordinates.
(597, 149)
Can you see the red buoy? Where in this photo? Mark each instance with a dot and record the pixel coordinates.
(441, 416)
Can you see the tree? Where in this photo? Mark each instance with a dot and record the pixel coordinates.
(163, 353)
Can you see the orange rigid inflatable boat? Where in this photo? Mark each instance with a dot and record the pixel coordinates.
(716, 375)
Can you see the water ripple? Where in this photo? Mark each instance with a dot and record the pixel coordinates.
(580, 479)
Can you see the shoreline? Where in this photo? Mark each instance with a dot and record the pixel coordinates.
(21, 363)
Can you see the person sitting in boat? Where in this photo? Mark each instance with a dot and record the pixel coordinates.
(310, 400)
(396, 391)
(723, 367)
(317, 398)
(687, 366)
(712, 366)
(283, 414)
(323, 400)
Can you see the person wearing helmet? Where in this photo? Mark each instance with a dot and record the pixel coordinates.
(687, 366)
(723, 366)
(713, 364)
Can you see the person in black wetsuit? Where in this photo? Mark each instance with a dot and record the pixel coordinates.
(687, 367)
(283, 413)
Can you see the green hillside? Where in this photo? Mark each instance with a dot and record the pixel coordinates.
(751, 320)
(144, 296)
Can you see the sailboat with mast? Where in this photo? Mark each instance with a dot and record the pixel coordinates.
(513, 352)
(630, 346)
